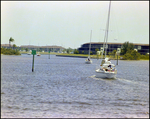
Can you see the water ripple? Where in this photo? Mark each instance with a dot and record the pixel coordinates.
(67, 87)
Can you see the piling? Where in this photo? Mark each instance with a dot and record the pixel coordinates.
(33, 64)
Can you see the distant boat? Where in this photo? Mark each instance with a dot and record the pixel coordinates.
(107, 69)
(38, 54)
(88, 60)
(29, 53)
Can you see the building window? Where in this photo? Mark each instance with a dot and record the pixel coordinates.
(139, 47)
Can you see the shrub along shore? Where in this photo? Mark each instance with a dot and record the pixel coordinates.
(142, 57)
(10, 51)
(113, 57)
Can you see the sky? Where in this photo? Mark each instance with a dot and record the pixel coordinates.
(69, 23)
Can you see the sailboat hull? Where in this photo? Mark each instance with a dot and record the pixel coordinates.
(88, 62)
(105, 74)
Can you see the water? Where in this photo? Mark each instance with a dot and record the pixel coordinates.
(66, 87)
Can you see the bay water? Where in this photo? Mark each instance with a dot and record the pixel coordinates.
(62, 87)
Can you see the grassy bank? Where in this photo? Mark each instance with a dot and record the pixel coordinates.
(85, 55)
(143, 57)
(95, 56)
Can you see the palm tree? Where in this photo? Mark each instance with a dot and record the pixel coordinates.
(11, 40)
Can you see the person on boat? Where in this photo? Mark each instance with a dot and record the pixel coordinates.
(109, 66)
(88, 59)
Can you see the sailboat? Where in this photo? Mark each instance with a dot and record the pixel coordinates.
(38, 54)
(29, 53)
(107, 69)
(88, 60)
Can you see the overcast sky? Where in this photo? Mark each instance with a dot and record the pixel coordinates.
(69, 23)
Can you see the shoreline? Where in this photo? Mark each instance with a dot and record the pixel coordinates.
(78, 56)
(71, 56)
(95, 57)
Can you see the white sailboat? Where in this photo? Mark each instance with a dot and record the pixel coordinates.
(88, 60)
(107, 69)
(29, 53)
(38, 54)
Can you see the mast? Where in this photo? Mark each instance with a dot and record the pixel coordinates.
(106, 32)
(90, 43)
(107, 28)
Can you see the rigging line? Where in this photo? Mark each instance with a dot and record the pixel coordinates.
(107, 28)
(99, 39)
(90, 42)
(105, 37)
(106, 32)
(115, 21)
(99, 42)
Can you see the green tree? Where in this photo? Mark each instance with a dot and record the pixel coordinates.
(131, 55)
(127, 47)
(11, 40)
(76, 51)
(128, 56)
(26, 49)
(146, 56)
(96, 50)
(91, 53)
(68, 51)
(64, 50)
(22, 49)
(14, 45)
(135, 54)
(6, 51)
(114, 53)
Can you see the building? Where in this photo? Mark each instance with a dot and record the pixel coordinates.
(38, 48)
(141, 48)
(6, 46)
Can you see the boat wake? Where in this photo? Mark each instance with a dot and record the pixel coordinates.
(126, 80)
(131, 82)
(94, 77)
